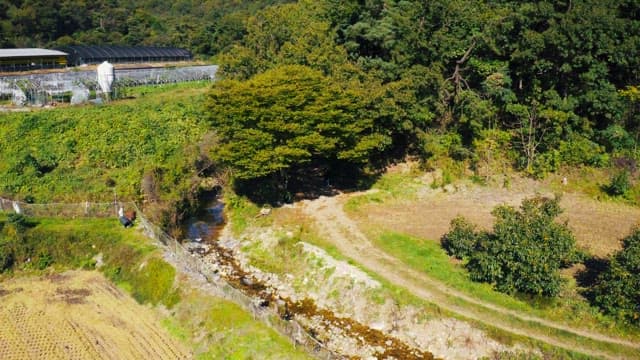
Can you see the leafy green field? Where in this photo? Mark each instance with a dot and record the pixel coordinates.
(91, 152)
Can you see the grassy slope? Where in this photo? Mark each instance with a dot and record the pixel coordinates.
(218, 329)
(70, 153)
(212, 327)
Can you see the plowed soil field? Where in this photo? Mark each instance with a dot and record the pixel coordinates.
(78, 315)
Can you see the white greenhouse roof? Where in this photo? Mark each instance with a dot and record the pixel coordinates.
(29, 52)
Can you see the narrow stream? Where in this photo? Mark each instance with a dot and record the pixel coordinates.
(202, 231)
(205, 226)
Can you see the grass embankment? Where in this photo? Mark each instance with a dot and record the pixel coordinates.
(427, 256)
(212, 327)
(91, 152)
(129, 259)
(218, 329)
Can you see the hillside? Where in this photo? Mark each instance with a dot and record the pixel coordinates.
(203, 27)
(406, 179)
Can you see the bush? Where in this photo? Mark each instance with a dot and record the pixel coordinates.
(616, 138)
(579, 150)
(493, 153)
(522, 254)
(546, 163)
(460, 241)
(18, 221)
(436, 146)
(7, 257)
(620, 184)
(617, 288)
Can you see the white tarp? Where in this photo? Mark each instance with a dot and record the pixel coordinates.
(16, 207)
(106, 76)
(80, 94)
(18, 97)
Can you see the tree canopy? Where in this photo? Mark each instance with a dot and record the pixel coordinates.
(617, 289)
(291, 117)
(559, 77)
(205, 27)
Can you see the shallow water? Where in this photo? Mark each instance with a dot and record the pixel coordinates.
(207, 224)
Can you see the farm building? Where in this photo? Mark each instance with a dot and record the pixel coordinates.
(86, 54)
(29, 59)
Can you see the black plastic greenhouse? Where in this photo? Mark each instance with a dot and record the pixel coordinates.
(84, 54)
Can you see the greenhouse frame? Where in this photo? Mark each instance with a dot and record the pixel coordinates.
(90, 54)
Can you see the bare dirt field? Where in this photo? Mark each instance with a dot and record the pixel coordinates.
(597, 225)
(78, 315)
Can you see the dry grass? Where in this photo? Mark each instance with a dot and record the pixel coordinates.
(598, 225)
(78, 315)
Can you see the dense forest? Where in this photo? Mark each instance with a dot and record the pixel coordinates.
(203, 26)
(531, 85)
(334, 89)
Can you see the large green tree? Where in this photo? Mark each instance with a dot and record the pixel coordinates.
(291, 117)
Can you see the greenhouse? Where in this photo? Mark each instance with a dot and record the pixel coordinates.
(80, 86)
(85, 54)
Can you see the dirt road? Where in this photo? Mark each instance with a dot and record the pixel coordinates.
(336, 227)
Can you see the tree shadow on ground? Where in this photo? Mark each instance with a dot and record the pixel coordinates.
(594, 266)
(305, 184)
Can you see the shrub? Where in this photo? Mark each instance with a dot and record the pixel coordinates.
(617, 288)
(7, 257)
(493, 153)
(579, 150)
(436, 146)
(18, 221)
(620, 184)
(546, 163)
(461, 239)
(524, 251)
(616, 138)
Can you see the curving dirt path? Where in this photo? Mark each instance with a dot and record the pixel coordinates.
(336, 227)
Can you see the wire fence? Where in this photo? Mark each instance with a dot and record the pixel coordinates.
(192, 262)
(64, 210)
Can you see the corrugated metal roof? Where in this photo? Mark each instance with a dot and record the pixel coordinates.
(86, 54)
(29, 52)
